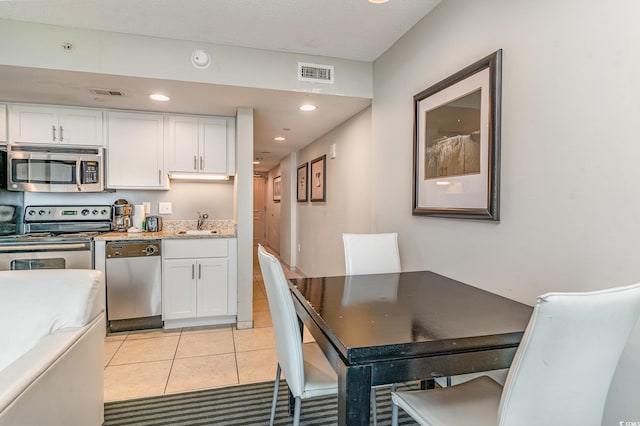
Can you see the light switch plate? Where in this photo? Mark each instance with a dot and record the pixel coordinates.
(164, 208)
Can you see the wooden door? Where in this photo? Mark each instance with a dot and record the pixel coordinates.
(259, 210)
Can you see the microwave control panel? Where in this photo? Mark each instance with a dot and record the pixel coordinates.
(90, 172)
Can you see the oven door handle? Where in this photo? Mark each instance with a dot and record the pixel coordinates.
(45, 247)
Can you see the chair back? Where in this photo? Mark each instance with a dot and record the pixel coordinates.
(563, 368)
(285, 321)
(371, 253)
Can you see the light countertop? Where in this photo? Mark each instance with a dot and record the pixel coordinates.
(162, 235)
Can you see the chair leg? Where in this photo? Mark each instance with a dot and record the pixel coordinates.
(448, 381)
(276, 387)
(296, 412)
(394, 414)
(374, 408)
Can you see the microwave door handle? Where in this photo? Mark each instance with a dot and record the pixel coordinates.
(78, 167)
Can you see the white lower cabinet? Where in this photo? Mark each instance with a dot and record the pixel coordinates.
(199, 282)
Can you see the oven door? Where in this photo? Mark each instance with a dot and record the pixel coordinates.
(46, 256)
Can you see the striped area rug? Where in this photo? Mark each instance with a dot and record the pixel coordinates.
(234, 405)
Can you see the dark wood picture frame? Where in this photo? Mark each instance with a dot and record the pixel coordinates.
(277, 188)
(302, 183)
(318, 179)
(456, 172)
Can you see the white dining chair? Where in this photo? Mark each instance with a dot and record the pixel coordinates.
(366, 254)
(574, 338)
(306, 369)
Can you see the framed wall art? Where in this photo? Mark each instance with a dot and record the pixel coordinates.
(303, 176)
(277, 186)
(456, 151)
(318, 178)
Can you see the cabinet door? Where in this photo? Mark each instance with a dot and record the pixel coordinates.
(80, 127)
(3, 123)
(135, 151)
(183, 153)
(29, 124)
(178, 289)
(213, 146)
(212, 287)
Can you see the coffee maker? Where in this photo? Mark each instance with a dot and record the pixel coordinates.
(122, 215)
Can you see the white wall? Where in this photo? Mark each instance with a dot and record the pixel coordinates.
(243, 214)
(569, 151)
(38, 45)
(273, 210)
(570, 175)
(347, 209)
(187, 198)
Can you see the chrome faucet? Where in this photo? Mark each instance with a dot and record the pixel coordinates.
(201, 219)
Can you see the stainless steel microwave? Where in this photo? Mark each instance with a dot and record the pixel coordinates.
(41, 168)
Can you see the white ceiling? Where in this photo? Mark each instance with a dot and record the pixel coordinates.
(350, 29)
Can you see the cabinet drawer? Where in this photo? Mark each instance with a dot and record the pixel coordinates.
(195, 248)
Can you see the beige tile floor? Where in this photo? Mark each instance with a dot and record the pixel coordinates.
(149, 363)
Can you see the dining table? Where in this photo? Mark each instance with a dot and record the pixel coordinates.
(402, 327)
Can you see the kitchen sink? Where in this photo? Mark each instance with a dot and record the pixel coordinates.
(199, 232)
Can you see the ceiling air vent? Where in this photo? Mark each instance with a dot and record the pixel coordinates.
(315, 73)
(106, 92)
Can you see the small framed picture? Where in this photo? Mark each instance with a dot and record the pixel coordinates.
(276, 188)
(303, 176)
(318, 179)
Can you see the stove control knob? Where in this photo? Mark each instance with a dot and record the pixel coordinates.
(31, 212)
(41, 212)
(104, 212)
(95, 212)
(85, 212)
(150, 250)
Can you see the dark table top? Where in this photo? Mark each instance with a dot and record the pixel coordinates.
(378, 317)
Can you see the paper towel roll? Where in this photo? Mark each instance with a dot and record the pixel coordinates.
(138, 216)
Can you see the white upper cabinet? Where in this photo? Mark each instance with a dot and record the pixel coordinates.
(3, 123)
(46, 125)
(200, 145)
(135, 151)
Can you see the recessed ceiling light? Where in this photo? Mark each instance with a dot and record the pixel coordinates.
(256, 162)
(378, 1)
(159, 97)
(279, 138)
(308, 107)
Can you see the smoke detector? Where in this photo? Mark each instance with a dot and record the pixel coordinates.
(200, 59)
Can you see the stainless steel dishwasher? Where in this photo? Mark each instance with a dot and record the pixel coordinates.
(134, 289)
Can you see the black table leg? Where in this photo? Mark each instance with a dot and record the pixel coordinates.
(427, 384)
(354, 395)
(292, 403)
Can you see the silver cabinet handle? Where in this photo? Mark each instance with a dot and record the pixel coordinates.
(159, 176)
(199, 271)
(193, 271)
(61, 134)
(201, 163)
(53, 132)
(195, 162)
